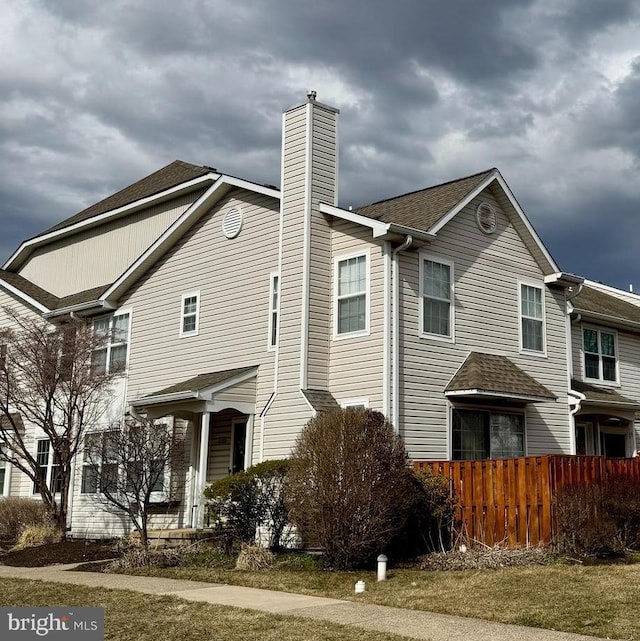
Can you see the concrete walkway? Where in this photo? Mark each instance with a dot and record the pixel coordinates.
(410, 623)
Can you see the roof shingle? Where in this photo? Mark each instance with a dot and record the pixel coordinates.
(598, 302)
(423, 209)
(321, 400)
(202, 381)
(495, 375)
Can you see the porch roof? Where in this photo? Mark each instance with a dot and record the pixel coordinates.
(200, 387)
(493, 376)
(603, 395)
(320, 400)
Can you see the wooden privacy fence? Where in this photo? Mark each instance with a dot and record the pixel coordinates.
(512, 500)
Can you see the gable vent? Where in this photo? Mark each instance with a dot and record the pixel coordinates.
(232, 222)
(486, 218)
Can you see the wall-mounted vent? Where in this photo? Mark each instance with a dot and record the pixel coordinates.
(486, 218)
(232, 222)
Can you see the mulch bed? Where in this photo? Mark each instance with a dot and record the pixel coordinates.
(69, 551)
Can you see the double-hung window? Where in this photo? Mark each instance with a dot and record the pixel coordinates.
(436, 296)
(600, 362)
(100, 468)
(531, 318)
(482, 434)
(190, 314)
(48, 466)
(111, 355)
(274, 307)
(352, 284)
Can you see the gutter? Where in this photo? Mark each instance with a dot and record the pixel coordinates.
(165, 398)
(80, 307)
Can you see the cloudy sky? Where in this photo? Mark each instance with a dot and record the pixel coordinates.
(96, 94)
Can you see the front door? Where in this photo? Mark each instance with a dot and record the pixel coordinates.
(239, 445)
(584, 438)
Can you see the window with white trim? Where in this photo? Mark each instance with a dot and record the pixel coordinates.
(274, 307)
(112, 354)
(483, 434)
(531, 318)
(190, 314)
(351, 295)
(600, 361)
(99, 465)
(436, 294)
(48, 465)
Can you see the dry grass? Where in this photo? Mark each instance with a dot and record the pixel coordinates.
(594, 600)
(34, 535)
(130, 616)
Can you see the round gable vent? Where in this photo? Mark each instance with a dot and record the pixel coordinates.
(486, 218)
(232, 222)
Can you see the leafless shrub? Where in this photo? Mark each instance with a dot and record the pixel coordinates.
(349, 487)
(254, 557)
(17, 513)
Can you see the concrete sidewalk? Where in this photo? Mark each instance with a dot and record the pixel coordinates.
(410, 623)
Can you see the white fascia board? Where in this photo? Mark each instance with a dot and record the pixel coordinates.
(27, 299)
(497, 176)
(182, 224)
(138, 204)
(563, 278)
(606, 319)
(487, 394)
(80, 307)
(378, 228)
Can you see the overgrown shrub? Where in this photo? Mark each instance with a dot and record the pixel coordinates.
(33, 535)
(250, 499)
(18, 513)
(253, 558)
(349, 489)
(599, 519)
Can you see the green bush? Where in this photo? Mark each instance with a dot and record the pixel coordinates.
(349, 488)
(243, 502)
(18, 513)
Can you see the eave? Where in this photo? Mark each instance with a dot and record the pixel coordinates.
(488, 394)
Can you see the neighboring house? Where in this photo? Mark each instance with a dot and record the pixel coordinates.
(238, 311)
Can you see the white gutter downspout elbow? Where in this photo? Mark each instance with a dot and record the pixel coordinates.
(395, 327)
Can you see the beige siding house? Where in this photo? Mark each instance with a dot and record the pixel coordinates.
(243, 310)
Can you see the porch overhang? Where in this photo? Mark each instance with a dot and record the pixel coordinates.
(602, 397)
(494, 377)
(202, 393)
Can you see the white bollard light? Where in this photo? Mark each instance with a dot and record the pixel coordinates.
(359, 587)
(382, 567)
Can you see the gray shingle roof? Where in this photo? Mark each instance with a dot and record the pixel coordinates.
(598, 302)
(423, 209)
(492, 374)
(47, 299)
(173, 174)
(321, 400)
(202, 381)
(597, 394)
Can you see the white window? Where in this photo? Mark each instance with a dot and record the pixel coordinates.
(436, 295)
(532, 334)
(98, 462)
(600, 362)
(352, 295)
(274, 307)
(482, 434)
(48, 466)
(190, 315)
(112, 354)
(361, 403)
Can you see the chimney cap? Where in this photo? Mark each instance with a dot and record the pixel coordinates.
(312, 95)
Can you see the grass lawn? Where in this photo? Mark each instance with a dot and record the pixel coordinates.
(595, 600)
(132, 616)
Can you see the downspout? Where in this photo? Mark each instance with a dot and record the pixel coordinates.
(386, 355)
(574, 398)
(395, 323)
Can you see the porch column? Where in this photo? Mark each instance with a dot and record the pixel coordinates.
(248, 445)
(203, 459)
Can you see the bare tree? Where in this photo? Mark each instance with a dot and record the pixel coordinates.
(127, 468)
(47, 382)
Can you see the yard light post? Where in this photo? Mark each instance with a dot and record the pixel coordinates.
(382, 567)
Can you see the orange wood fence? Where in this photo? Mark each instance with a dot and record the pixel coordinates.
(511, 501)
